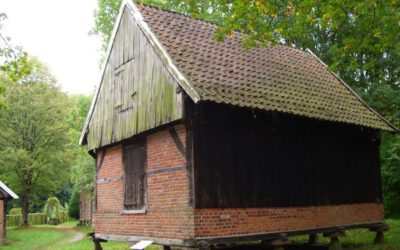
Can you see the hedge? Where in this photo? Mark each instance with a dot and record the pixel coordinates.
(37, 219)
(64, 217)
(14, 220)
(34, 219)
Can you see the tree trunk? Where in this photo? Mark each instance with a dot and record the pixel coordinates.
(25, 211)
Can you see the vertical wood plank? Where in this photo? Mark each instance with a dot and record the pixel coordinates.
(136, 78)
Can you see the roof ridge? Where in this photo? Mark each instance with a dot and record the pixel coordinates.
(159, 8)
(175, 12)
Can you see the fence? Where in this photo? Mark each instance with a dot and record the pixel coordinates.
(34, 219)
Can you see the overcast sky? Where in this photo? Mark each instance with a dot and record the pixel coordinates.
(56, 31)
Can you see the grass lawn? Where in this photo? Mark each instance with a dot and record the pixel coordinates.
(47, 237)
(362, 239)
(33, 238)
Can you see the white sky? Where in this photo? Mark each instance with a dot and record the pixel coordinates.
(56, 31)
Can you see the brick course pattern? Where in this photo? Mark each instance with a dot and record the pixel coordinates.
(85, 208)
(224, 222)
(168, 214)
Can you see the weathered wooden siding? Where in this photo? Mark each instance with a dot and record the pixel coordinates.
(137, 92)
(245, 158)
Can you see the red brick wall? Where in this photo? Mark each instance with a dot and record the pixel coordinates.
(85, 209)
(168, 214)
(1, 220)
(222, 222)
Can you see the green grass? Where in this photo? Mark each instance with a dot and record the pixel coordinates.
(47, 237)
(71, 223)
(33, 238)
(362, 239)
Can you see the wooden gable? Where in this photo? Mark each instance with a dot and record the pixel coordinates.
(136, 93)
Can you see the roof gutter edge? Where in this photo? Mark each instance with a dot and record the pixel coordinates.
(394, 129)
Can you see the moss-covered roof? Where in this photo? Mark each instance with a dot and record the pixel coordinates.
(276, 78)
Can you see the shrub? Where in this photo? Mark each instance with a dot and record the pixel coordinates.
(37, 219)
(15, 211)
(64, 217)
(53, 210)
(14, 220)
(73, 208)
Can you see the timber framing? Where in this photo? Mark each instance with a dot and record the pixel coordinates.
(204, 242)
(166, 170)
(285, 234)
(177, 140)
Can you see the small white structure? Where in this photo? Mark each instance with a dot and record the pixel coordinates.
(142, 244)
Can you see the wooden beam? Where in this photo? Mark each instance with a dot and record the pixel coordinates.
(100, 163)
(96, 241)
(313, 240)
(274, 235)
(335, 233)
(276, 244)
(158, 241)
(177, 141)
(334, 244)
(167, 247)
(188, 119)
(204, 242)
(166, 170)
(379, 238)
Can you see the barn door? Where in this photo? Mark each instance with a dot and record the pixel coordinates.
(134, 164)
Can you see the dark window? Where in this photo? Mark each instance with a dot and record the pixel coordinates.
(134, 163)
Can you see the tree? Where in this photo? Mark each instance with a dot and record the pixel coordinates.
(34, 156)
(2, 78)
(73, 206)
(83, 169)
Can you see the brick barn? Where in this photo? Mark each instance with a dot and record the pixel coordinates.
(85, 208)
(5, 194)
(199, 142)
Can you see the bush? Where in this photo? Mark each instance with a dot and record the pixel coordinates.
(15, 211)
(14, 220)
(391, 201)
(64, 217)
(53, 210)
(73, 207)
(37, 219)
